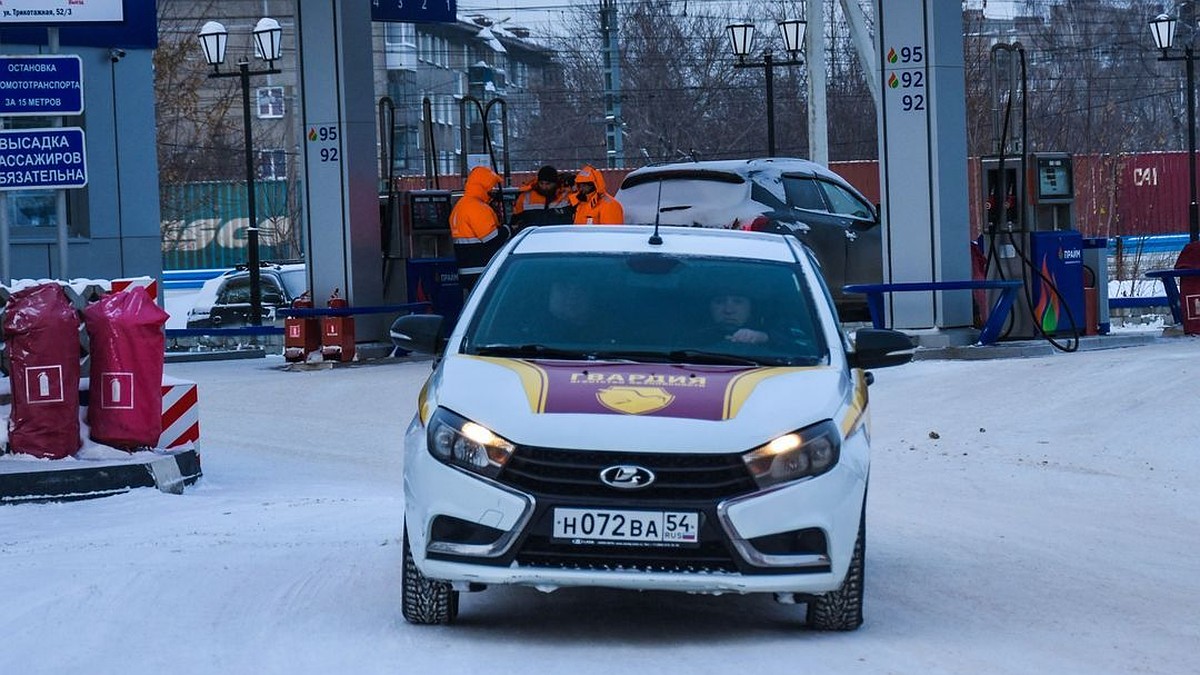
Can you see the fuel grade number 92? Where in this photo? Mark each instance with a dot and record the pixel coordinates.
(909, 102)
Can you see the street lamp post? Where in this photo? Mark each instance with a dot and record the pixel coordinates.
(267, 46)
(1162, 28)
(741, 38)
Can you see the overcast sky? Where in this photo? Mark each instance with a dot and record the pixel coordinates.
(534, 14)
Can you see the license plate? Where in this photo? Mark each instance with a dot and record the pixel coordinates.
(607, 526)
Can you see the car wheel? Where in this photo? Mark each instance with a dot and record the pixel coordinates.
(842, 610)
(425, 600)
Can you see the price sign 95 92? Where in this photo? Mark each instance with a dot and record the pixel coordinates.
(325, 134)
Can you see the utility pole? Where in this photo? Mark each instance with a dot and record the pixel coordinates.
(614, 142)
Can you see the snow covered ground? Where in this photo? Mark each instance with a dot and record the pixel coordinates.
(1025, 516)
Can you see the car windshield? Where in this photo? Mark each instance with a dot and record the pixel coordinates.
(686, 201)
(649, 307)
(295, 282)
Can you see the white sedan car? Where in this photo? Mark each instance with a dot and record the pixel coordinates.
(628, 408)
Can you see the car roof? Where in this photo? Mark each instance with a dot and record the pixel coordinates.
(265, 267)
(563, 239)
(773, 166)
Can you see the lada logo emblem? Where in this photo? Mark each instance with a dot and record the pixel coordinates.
(627, 477)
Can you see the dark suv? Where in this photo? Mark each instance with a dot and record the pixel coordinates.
(228, 304)
(774, 195)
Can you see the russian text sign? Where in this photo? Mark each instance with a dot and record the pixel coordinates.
(41, 85)
(61, 11)
(42, 159)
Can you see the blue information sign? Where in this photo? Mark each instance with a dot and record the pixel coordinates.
(42, 159)
(414, 11)
(41, 85)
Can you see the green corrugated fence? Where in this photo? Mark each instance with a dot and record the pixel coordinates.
(204, 224)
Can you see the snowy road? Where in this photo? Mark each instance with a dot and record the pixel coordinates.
(1050, 528)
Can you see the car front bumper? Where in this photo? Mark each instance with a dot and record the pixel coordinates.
(520, 552)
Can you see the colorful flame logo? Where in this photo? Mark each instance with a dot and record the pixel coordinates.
(891, 55)
(312, 134)
(1048, 308)
(893, 81)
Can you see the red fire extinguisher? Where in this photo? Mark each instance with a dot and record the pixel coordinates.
(1189, 287)
(301, 335)
(41, 328)
(337, 332)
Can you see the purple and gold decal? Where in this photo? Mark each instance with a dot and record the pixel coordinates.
(655, 390)
(635, 400)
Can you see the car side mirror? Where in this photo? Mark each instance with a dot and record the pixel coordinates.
(880, 348)
(417, 333)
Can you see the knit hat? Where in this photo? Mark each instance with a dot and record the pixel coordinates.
(547, 173)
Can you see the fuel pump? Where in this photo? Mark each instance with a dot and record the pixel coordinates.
(1055, 247)
(432, 272)
(1028, 219)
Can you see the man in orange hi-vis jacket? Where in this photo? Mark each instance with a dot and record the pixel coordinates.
(593, 205)
(475, 227)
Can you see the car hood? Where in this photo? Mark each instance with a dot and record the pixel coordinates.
(646, 407)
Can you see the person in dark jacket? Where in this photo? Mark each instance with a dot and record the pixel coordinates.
(542, 201)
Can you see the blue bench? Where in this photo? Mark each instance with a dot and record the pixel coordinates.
(1171, 287)
(1136, 302)
(996, 317)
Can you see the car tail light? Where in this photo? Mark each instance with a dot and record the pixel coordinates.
(760, 224)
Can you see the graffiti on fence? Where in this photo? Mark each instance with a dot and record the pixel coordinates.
(205, 225)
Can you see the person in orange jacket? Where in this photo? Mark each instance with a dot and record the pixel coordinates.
(475, 228)
(593, 205)
(542, 201)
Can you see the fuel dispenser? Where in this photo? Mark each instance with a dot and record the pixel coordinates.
(432, 272)
(1029, 218)
(1029, 214)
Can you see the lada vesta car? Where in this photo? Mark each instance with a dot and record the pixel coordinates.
(630, 408)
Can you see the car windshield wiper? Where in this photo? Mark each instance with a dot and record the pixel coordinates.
(531, 350)
(677, 356)
(681, 207)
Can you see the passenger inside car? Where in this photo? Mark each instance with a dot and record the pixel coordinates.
(573, 315)
(731, 313)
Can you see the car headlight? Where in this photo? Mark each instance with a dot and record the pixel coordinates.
(808, 452)
(460, 442)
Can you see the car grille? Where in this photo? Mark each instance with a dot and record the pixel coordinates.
(575, 473)
(711, 557)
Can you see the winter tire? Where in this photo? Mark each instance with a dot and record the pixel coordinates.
(425, 600)
(842, 609)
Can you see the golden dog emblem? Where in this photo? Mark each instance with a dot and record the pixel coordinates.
(634, 400)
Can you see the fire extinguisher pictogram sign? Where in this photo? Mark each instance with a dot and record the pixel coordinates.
(116, 391)
(43, 384)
